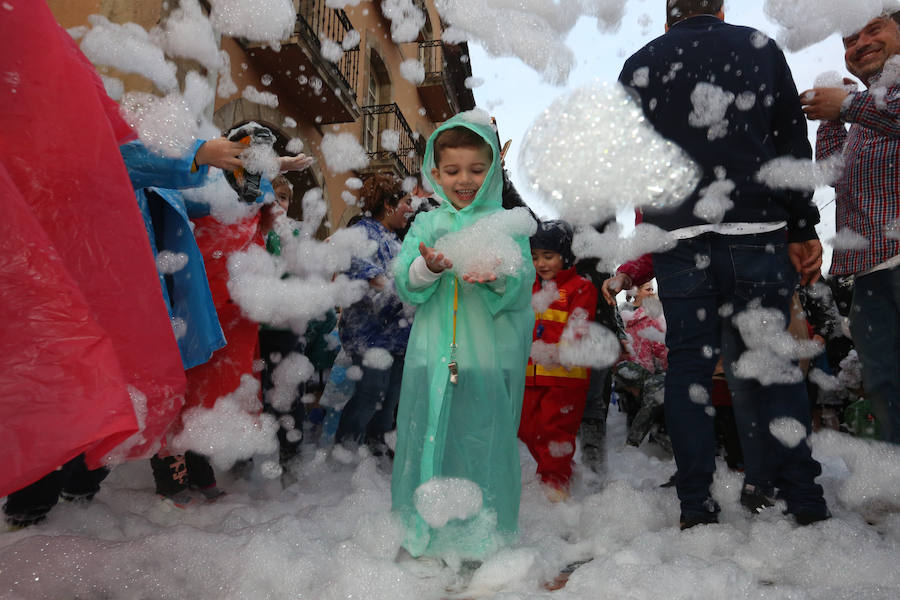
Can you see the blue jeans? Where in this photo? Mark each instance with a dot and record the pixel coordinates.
(369, 413)
(704, 282)
(875, 326)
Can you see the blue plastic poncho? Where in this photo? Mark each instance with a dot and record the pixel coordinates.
(465, 430)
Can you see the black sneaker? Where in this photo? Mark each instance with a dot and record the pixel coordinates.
(708, 516)
(754, 500)
(805, 519)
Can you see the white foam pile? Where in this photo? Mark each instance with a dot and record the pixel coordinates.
(442, 499)
(487, 246)
(806, 22)
(232, 430)
(330, 535)
(600, 133)
(532, 30)
(770, 348)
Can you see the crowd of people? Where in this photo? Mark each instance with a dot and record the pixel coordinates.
(464, 363)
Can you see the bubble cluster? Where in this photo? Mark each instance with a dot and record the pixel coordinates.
(592, 153)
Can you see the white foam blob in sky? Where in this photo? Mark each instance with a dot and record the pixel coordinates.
(806, 22)
(600, 133)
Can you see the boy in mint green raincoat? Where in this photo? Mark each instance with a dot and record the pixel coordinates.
(461, 425)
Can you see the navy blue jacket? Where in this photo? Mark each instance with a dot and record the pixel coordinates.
(764, 121)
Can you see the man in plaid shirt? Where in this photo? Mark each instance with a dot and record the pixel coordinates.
(868, 203)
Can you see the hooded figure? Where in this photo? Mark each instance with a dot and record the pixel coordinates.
(463, 430)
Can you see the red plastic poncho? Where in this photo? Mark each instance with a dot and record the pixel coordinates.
(84, 313)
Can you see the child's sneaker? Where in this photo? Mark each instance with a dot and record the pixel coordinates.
(754, 500)
(182, 499)
(212, 493)
(556, 495)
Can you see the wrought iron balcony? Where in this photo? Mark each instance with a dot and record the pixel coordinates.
(406, 158)
(326, 89)
(443, 90)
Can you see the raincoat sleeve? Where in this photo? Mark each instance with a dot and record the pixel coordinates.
(419, 232)
(506, 293)
(148, 169)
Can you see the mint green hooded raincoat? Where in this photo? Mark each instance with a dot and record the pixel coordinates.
(467, 429)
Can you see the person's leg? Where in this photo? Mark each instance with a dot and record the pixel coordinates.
(81, 484)
(31, 504)
(561, 409)
(593, 423)
(170, 474)
(274, 345)
(689, 295)
(764, 278)
(875, 326)
(384, 418)
(651, 401)
(368, 397)
(529, 422)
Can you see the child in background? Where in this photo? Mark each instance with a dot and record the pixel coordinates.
(555, 395)
(464, 374)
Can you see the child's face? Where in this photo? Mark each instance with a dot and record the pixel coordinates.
(547, 263)
(283, 197)
(461, 173)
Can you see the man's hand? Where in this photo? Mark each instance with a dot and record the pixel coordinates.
(824, 104)
(436, 262)
(220, 153)
(613, 286)
(807, 259)
(295, 163)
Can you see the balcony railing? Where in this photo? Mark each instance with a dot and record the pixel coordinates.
(443, 90)
(406, 159)
(315, 21)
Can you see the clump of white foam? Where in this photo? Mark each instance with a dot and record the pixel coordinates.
(806, 22)
(787, 430)
(168, 262)
(600, 132)
(874, 470)
(441, 499)
(413, 71)
(224, 204)
(342, 152)
(331, 50)
(265, 98)
(256, 20)
(390, 140)
(847, 239)
(613, 250)
(587, 344)
(770, 348)
(710, 104)
(406, 19)
(787, 172)
(289, 373)
(232, 430)
(548, 294)
(187, 33)
(377, 358)
(488, 245)
(128, 48)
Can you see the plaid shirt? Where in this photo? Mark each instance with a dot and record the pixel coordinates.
(867, 192)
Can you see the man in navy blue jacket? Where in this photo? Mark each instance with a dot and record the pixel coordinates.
(725, 94)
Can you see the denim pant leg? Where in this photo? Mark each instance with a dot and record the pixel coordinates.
(384, 418)
(689, 296)
(875, 326)
(367, 399)
(763, 275)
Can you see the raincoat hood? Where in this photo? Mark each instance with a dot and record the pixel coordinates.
(490, 195)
